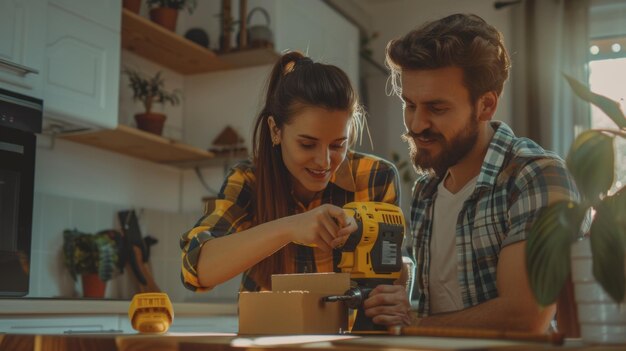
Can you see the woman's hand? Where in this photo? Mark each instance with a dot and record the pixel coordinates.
(388, 305)
(326, 226)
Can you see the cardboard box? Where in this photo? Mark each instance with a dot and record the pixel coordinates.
(294, 306)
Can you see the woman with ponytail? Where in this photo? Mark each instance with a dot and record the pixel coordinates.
(301, 174)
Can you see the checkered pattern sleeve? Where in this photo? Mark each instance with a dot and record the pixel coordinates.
(538, 184)
(228, 213)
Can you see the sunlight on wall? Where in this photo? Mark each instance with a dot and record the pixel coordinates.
(607, 78)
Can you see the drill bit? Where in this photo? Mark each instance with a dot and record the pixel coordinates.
(335, 298)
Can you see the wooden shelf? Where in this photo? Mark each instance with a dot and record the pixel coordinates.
(250, 58)
(155, 43)
(137, 143)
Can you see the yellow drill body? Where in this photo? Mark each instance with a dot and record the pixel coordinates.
(374, 251)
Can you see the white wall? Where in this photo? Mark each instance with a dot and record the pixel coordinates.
(319, 32)
(89, 173)
(213, 101)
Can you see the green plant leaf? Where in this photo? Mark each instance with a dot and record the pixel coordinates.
(590, 161)
(548, 249)
(88, 253)
(150, 90)
(609, 107)
(608, 240)
(107, 256)
(68, 251)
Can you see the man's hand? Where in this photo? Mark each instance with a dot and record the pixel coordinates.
(388, 305)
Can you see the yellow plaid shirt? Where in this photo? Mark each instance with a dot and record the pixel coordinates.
(360, 177)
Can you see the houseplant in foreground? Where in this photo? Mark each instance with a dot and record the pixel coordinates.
(149, 91)
(565, 229)
(94, 257)
(165, 12)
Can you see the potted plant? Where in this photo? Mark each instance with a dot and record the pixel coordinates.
(92, 256)
(590, 235)
(165, 12)
(149, 91)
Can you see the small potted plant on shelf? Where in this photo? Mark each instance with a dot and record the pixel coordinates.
(149, 91)
(588, 236)
(165, 12)
(94, 257)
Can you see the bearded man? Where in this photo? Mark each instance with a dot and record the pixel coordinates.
(481, 187)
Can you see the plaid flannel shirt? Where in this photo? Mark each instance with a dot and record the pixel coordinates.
(517, 179)
(360, 177)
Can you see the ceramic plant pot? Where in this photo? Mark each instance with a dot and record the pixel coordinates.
(93, 286)
(601, 319)
(132, 5)
(164, 16)
(151, 122)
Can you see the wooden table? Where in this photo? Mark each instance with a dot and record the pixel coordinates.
(231, 342)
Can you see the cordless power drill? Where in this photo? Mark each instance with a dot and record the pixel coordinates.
(372, 255)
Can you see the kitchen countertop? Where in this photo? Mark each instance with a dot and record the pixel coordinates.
(36, 306)
(232, 342)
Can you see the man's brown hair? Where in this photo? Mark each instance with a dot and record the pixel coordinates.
(459, 40)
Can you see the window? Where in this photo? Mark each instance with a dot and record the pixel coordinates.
(607, 76)
(607, 67)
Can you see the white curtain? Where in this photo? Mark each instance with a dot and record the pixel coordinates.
(550, 37)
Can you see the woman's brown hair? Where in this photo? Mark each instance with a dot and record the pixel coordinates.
(296, 82)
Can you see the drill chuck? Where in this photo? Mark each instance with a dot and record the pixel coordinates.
(353, 298)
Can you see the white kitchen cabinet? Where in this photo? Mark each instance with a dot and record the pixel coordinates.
(22, 36)
(82, 63)
(104, 13)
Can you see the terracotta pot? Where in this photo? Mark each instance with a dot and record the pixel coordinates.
(93, 286)
(165, 17)
(132, 5)
(150, 122)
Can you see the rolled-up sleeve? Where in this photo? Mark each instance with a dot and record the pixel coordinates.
(229, 213)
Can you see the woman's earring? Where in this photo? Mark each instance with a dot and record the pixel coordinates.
(275, 141)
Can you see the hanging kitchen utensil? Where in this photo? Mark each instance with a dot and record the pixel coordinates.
(138, 251)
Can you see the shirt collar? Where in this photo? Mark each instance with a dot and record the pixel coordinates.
(496, 154)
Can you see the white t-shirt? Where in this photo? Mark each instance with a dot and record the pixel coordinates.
(444, 289)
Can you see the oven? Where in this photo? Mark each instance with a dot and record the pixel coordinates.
(20, 119)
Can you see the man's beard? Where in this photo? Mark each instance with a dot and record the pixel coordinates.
(451, 151)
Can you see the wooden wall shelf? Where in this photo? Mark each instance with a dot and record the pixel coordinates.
(137, 143)
(155, 43)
